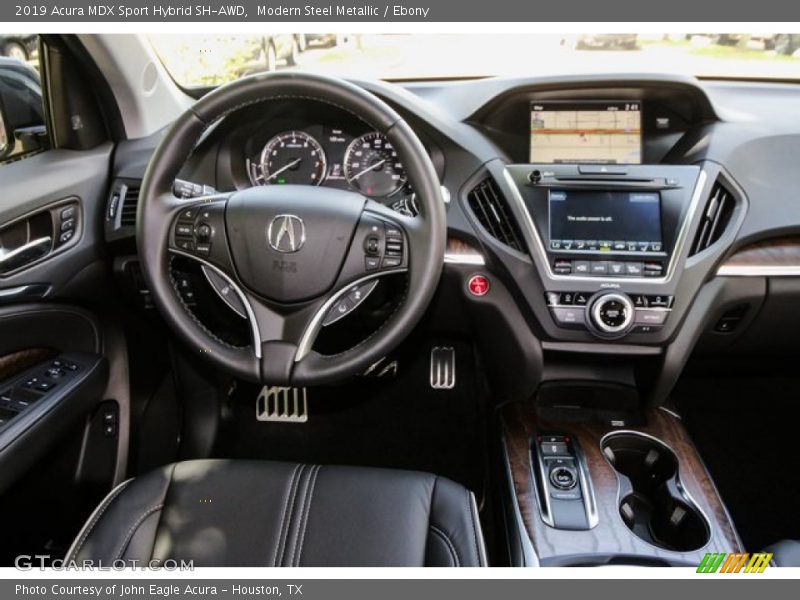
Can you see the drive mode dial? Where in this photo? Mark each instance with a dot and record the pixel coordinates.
(611, 314)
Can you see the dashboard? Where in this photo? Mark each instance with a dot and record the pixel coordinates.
(618, 212)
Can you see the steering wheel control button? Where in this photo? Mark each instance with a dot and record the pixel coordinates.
(204, 231)
(372, 263)
(478, 285)
(563, 477)
(349, 302)
(611, 314)
(188, 214)
(372, 245)
(185, 245)
(184, 229)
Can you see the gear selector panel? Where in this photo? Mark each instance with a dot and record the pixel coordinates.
(566, 500)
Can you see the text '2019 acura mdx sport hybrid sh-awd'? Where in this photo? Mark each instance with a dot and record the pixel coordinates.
(399, 300)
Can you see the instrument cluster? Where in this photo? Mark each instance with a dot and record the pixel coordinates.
(362, 161)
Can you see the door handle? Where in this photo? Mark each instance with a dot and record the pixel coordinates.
(27, 253)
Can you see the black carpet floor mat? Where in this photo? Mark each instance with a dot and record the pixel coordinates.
(747, 433)
(398, 423)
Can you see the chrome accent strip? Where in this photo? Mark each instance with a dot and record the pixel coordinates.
(671, 413)
(583, 307)
(758, 271)
(14, 291)
(586, 485)
(598, 304)
(677, 252)
(540, 479)
(310, 334)
(472, 258)
(249, 309)
(681, 488)
(7, 255)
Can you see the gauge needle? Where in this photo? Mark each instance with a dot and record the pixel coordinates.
(367, 170)
(284, 167)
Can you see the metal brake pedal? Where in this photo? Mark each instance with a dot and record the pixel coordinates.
(282, 405)
(443, 367)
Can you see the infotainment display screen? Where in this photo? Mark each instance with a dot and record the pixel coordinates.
(596, 221)
(586, 132)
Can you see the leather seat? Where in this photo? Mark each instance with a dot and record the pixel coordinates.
(785, 553)
(252, 513)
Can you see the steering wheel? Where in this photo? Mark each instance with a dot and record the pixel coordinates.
(290, 253)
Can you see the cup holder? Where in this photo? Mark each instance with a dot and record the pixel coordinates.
(653, 503)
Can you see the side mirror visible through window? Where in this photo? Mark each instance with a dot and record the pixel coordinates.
(22, 130)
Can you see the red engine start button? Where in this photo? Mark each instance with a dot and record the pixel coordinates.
(478, 285)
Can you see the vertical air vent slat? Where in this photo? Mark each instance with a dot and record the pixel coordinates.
(716, 217)
(130, 203)
(493, 215)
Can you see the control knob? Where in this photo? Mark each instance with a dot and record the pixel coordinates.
(611, 314)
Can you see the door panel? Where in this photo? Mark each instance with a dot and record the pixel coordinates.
(36, 191)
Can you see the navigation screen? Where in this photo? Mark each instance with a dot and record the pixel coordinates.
(586, 132)
(593, 221)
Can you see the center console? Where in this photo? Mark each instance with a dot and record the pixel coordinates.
(590, 494)
(610, 240)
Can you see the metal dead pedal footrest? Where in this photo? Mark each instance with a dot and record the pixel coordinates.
(443, 367)
(282, 405)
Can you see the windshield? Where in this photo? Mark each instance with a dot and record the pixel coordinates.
(214, 59)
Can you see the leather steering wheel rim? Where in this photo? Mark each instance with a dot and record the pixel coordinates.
(278, 361)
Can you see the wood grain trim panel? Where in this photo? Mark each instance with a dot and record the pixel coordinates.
(611, 537)
(16, 362)
(461, 252)
(773, 254)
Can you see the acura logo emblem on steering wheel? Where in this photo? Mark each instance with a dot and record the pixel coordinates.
(286, 233)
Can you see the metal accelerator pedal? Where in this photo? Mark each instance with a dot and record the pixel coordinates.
(282, 405)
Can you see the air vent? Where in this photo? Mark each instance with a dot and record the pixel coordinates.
(492, 213)
(716, 217)
(130, 203)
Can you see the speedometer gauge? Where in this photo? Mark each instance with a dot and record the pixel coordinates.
(372, 167)
(291, 157)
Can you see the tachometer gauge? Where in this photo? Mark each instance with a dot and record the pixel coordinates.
(371, 165)
(291, 157)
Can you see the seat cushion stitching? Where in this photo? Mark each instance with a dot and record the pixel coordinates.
(300, 505)
(96, 519)
(474, 528)
(448, 543)
(305, 519)
(291, 514)
(174, 466)
(134, 527)
(283, 514)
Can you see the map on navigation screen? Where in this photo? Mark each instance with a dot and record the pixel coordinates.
(586, 132)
